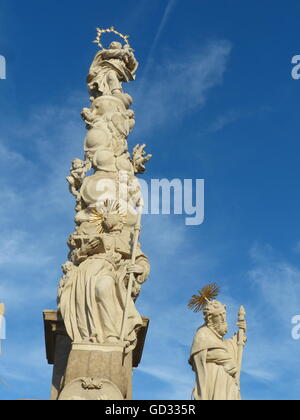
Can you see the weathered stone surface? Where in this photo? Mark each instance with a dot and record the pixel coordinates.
(216, 361)
(85, 389)
(108, 362)
(106, 266)
(59, 345)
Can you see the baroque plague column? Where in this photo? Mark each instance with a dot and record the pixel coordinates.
(96, 337)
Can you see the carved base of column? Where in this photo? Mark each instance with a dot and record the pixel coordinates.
(89, 371)
(104, 364)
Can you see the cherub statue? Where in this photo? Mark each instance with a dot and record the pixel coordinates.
(75, 180)
(109, 69)
(89, 117)
(67, 269)
(216, 361)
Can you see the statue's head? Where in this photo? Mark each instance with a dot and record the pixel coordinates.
(215, 317)
(116, 46)
(77, 163)
(67, 267)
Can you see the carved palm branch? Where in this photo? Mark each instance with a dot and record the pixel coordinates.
(208, 293)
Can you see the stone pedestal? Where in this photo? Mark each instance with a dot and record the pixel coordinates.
(101, 361)
(78, 363)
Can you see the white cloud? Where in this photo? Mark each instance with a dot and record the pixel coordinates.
(36, 207)
(165, 234)
(17, 248)
(167, 348)
(180, 384)
(278, 282)
(181, 83)
(273, 295)
(224, 120)
(274, 286)
(24, 370)
(261, 374)
(10, 157)
(296, 248)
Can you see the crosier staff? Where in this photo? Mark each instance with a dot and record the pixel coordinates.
(241, 342)
(137, 231)
(2, 323)
(2, 327)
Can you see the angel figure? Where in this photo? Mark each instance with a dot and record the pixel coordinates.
(75, 180)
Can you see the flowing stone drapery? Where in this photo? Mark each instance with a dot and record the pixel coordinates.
(213, 360)
(93, 290)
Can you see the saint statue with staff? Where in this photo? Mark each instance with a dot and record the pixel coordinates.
(215, 360)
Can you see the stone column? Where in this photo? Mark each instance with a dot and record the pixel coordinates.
(97, 331)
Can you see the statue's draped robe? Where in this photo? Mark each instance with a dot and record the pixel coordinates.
(212, 359)
(107, 67)
(93, 300)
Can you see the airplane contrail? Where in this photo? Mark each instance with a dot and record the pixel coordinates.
(169, 8)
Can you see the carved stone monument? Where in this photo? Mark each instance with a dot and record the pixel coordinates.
(97, 326)
(216, 362)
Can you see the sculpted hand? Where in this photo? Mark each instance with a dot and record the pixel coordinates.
(231, 369)
(242, 325)
(91, 245)
(140, 158)
(135, 269)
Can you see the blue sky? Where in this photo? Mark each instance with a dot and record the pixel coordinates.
(214, 100)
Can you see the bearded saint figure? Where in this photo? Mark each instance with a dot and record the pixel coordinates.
(215, 360)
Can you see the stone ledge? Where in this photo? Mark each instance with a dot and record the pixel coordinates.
(54, 325)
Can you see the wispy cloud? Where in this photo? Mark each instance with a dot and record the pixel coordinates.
(36, 219)
(278, 282)
(274, 290)
(36, 210)
(274, 284)
(24, 369)
(181, 83)
(17, 248)
(223, 121)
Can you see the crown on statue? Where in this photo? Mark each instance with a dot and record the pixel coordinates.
(100, 32)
